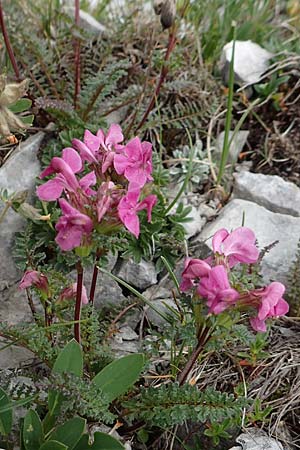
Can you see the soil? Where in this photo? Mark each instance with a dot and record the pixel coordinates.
(275, 142)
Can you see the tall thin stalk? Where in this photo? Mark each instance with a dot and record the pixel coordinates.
(165, 68)
(78, 301)
(226, 143)
(77, 56)
(8, 44)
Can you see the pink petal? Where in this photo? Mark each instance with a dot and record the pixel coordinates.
(92, 141)
(136, 174)
(107, 161)
(51, 190)
(120, 163)
(71, 157)
(134, 150)
(148, 204)
(88, 180)
(218, 239)
(85, 153)
(131, 222)
(281, 308)
(275, 290)
(67, 240)
(258, 325)
(114, 135)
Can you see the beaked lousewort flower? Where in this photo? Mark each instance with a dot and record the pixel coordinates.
(209, 279)
(35, 279)
(99, 186)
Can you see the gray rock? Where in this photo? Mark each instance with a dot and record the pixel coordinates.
(107, 293)
(162, 301)
(125, 342)
(140, 275)
(22, 167)
(86, 21)
(255, 439)
(18, 173)
(236, 145)
(268, 227)
(269, 191)
(250, 61)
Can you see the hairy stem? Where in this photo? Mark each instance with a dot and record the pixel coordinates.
(77, 57)
(202, 340)
(78, 301)
(8, 44)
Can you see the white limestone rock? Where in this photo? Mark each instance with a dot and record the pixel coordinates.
(270, 191)
(250, 61)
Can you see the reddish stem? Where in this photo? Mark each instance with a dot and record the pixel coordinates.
(95, 275)
(203, 338)
(8, 44)
(78, 301)
(163, 73)
(77, 56)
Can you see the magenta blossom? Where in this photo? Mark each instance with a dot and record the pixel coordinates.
(66, 168)
(36, 279)
(135, 163)
(237, 246)
(194, 269)
(72, 226)
(70, 293)
(106, 199)
(216, 289)
(271, 304)
(129, 207)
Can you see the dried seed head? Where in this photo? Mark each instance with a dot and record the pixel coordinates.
(157, 5)
(167, 11)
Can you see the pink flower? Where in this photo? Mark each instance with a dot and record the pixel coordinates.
(135, 163)
(129, 207)
(36, 279)
(70, 293)
(105, 199)
(109, 144)
(194, 269)
(72, 226)
(271, 304)
(237, 246)
(65, 167)
(216, 289)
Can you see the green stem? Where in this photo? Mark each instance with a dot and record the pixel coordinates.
(4, 211)
(78, 302)
(226, 144)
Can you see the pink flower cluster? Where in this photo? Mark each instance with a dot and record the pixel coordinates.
(210, 279)
(108, 195)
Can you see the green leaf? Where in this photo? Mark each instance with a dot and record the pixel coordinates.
(28, 120)
(5, 416)
(70, 360)
(70, 432)
(117, 377)
(102, 441)
(21, 105)
(53, 445)
(33, 434)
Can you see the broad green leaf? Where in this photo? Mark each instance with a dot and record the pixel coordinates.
(70, 432)
(28, 120)
(21, 105)
(5, 416)
(69, 360)
(53, 445)
(117, 377)
(33, 434)
(102, 441)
